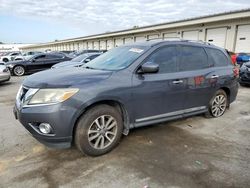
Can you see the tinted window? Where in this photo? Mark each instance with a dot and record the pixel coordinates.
(166, 57)
(217, 57)
(80, 58)
(93, 57)
(193, 58)
(54, 56)
(40, 57)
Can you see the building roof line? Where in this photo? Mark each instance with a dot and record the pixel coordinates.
(139, 29)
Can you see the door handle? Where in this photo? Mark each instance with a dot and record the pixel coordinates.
(177, 81)
(214, 76)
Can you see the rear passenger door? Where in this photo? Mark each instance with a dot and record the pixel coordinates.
(197, 74)
(52, 59)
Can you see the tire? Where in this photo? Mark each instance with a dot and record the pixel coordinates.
(217, 105)
(5, 60)
(243, 85)
(90, 129)
(18, 70)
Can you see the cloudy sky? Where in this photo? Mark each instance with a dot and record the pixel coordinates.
(32, 21)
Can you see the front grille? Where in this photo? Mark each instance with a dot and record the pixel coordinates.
(24, 95)
(248, 75)
(23, 91)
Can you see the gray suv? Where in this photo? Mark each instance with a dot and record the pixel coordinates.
(127, 87)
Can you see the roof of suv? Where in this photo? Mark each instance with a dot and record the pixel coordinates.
(156, 42)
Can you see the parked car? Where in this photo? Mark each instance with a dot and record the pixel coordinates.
(242, 58)
(4, 73)
(245, 74)
(77, 61)
(127, 87)
(36, 63)
(3, 53)
(87, 51)
(10, 56)
(26, 55)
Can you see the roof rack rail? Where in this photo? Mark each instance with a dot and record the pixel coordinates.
(200, 41)
(167, 38)
(180, 39)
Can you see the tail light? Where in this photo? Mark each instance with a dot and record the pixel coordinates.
(236, 71)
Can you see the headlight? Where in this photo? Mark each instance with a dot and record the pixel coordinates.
(50, 96)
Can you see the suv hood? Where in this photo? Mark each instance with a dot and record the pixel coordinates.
(67, 64)
(65, 77)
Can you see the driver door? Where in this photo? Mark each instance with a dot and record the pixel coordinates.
(37, 63)
(160, 95)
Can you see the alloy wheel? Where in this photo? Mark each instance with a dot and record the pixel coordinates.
(102, 132)
(219, 105)
(19, 71)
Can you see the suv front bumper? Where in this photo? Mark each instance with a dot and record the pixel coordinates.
(58, 116)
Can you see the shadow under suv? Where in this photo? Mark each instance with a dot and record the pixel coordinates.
(127, 87)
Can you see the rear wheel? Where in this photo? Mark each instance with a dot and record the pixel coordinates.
(19, 70)
(218, 104)
(98, 130)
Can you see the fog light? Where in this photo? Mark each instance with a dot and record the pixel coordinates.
(45, 128)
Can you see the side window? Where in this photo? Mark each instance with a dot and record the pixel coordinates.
(217, 57)
(166, 57)
(93, 57)
(193, 58)
(58, 56)
(40, 57)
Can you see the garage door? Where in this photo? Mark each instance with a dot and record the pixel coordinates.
(217, 36)
(243, 39)
(84, 45)
(190, 35)
(110, 44)
(103, 45)
(118, 42)
(128, 40)
(153, 36)
(169, 35)
(96, 45)
(90, 45)
(140, 39)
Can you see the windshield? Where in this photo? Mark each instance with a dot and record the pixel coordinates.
(80, 58)
(117, 58)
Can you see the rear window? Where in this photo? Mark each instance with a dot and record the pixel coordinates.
(193, 58)
(218, 58)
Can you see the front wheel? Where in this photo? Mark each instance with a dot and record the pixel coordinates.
(99, 130)
(18, 70)
(218, 104)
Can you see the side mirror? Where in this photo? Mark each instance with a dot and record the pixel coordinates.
(87, 60)
(33, 60)
(149, 67)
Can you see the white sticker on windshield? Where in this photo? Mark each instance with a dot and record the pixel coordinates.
(136, 50)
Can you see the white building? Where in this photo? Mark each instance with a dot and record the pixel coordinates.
(230, 30)
(11, 47)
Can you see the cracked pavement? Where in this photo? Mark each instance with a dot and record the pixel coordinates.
(191, 152)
